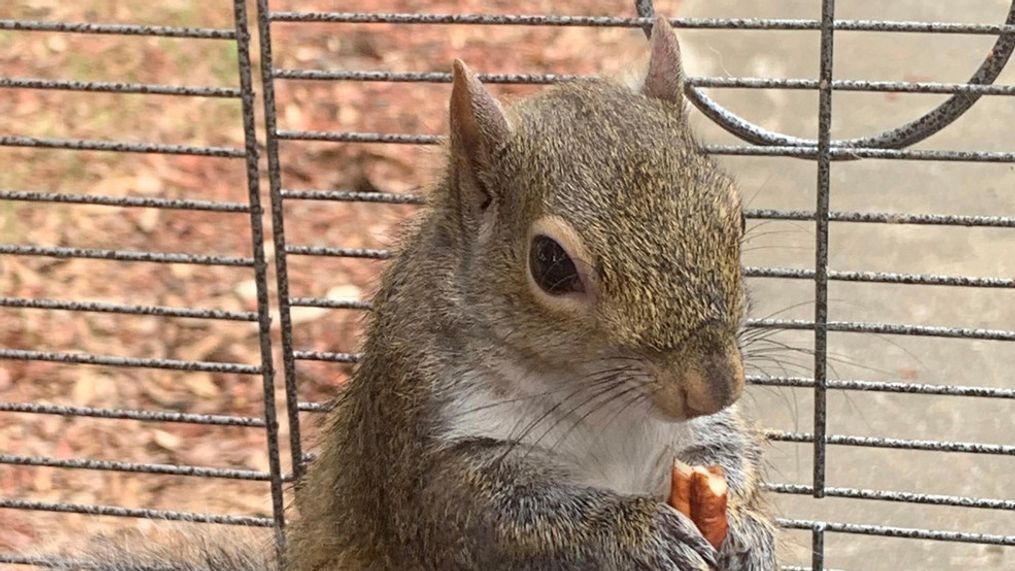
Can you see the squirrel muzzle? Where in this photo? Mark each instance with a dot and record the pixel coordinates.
(699, 382)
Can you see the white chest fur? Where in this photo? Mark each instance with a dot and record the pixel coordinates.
(606, 438)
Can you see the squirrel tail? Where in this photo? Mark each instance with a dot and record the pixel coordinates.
(176, 551)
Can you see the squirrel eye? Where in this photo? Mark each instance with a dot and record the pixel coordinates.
(552, 269)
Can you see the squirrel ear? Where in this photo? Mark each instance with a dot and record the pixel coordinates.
(665, 77)
(478, 125)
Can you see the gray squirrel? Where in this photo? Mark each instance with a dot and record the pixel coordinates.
(559, 326)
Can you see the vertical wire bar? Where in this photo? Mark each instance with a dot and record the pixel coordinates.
(645, 9)
(260, 270)
(821, 247)
(278, 230)
(818, 547)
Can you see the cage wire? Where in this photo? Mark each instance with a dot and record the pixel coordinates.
(255, 264)
(892, 144)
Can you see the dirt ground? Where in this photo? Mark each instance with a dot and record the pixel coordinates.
(870, 185)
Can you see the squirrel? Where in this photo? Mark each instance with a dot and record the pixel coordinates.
(559, 326)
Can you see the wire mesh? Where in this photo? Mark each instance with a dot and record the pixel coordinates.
(255, 265)
(824, 150)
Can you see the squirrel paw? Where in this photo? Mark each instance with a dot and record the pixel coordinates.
(679, 545)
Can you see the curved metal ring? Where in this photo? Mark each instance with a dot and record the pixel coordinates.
(900, 137)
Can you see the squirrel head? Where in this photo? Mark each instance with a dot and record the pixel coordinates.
(591, 233)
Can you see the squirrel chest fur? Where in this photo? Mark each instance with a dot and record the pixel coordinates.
(603, 441)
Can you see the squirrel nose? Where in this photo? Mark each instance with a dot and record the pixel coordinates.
(715, 384)
(698, 385)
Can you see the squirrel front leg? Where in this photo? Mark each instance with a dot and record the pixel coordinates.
(504, 506)
(750, 543)
(750, 539)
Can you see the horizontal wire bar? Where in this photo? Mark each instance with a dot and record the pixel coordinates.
(115, 361)
(608, 21)
(143, 468)
(794, 273)
(526, 20)
(788, 324)
(146, 513)
(885, 386)
(419, 76)
(921, 27)
(882, 277)
(351, 137)
(313, 407)
(64, 563)
(124, 255)
(117, 87)
(326, 356)
(886, 218)
(100, 307)
(888, 329)
(853, 85)
(862, 153)
(895, 443)
(55, 561)
(729, 150)
(129, 414)
(910, 388)
(371, 253)
(899, 532)
(707, 81)
(120, 147)
(124, 201)
(854, 385)
(766, 214)
(351, 196)
(329, 303)
(118, 29)
(893, 496)
(942, 390)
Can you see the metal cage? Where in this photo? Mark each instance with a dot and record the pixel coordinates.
(267, 229)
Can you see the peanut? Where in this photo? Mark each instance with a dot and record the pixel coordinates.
(700, 493)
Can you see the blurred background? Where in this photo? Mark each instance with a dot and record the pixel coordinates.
(896, 186)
